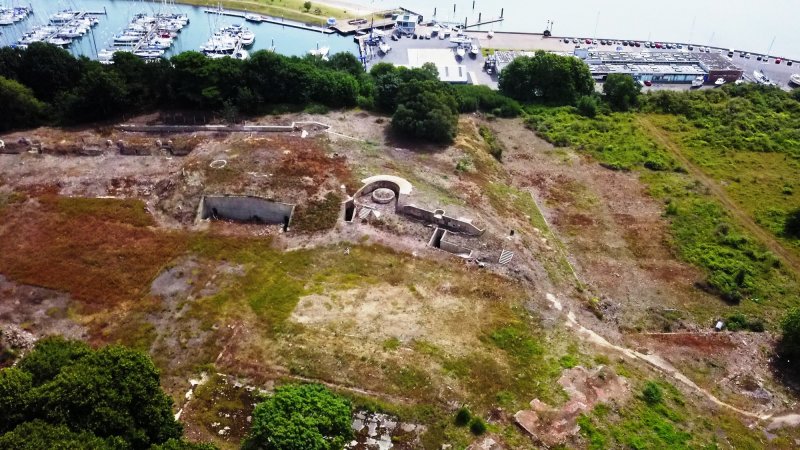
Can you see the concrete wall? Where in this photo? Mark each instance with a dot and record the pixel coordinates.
(454, 248)
(245, 209)
(443, 221)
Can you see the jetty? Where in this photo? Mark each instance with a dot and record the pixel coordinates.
(269, 19)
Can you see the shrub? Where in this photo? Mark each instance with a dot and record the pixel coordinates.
(495, 146)
(790, 340)
(587, 106)
(463, 417)
(652, 393)
(477, 426)
(301, 417)
(792, 225)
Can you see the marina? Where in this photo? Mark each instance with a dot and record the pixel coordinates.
(147, 36)
(62, 28)
(12, 15)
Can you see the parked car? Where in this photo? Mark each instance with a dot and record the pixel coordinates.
(588, 41)
(566, 40)
(658, 44)
(778, 60)
(574, 40)
(690, 47)
(638, 44)
(648, 83)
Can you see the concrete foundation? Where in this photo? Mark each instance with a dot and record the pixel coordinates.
(245, 208)
(440, 240)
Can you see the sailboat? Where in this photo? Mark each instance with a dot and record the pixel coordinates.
(320, 51)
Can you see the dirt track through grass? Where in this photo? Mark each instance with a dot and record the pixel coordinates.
(719, 193)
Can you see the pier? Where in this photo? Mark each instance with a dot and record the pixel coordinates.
(268, 19)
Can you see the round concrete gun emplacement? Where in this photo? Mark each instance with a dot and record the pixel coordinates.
(382, 195)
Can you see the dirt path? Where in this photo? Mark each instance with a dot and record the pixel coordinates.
(790, 419)
(717, 191)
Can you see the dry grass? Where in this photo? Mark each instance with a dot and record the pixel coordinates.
(98, 251)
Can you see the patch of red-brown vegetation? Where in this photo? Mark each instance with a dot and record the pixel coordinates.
(100, 251)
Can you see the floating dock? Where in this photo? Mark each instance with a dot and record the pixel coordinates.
(269, 19)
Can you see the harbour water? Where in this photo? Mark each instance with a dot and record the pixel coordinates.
(287, 40)
(739, 24)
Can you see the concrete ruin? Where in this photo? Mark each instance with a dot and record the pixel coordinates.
(387, 190)
(246, 209)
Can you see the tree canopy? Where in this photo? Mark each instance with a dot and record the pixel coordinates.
(622, 91)
(301, 417)
(547, 78)
(63, 391)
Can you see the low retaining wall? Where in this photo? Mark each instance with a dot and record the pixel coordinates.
(441, 220)
(245, 208)
(295, 126)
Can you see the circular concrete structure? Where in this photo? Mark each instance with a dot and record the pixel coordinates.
(382, 195)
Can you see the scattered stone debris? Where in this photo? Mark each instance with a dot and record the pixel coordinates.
(585, 388)
(376, 431)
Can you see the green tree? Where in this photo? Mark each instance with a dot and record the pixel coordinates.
(20, 108)
(546, 77)
(307, 6)
(10, 62)
(426, 110)
(300, 417)
(790, 340)
(37, 435)
(48, 70)
(621, 91)
(15, 386)
(50, 355)
(100, 94)
(112, 393)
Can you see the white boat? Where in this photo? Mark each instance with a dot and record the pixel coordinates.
(252, 17)
(460, 52)
(474, 49)
(719, 82)
(490, 34)
(460, 40)
(319, 51)
(384, 48)
(697, 82)
(795, 79)
(761, 78)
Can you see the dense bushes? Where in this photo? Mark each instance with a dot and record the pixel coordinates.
(46, 83)
(736, 117)
(473, 98)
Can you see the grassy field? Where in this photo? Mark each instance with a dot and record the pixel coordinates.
(311, 313)
(739, 268)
